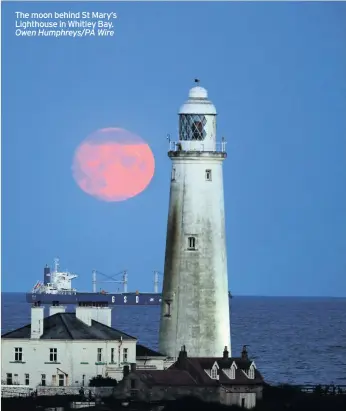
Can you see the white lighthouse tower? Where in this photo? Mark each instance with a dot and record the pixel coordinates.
(195, 302)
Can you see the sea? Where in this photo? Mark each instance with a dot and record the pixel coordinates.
(292, 340)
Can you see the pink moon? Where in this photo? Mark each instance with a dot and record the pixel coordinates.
(113, 164)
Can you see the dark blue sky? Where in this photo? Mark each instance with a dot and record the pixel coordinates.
(276, 73)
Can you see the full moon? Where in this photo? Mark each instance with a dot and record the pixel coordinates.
(113, 164)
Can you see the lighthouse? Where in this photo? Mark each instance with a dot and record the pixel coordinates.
(195, 302)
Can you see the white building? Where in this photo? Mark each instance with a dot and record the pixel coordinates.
(68, 349)
(195, 303)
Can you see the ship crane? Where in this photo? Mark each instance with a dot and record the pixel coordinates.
(157, 281)
(111, 279)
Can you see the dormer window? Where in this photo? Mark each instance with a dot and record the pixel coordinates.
(214, 373)
(251, 373)
(232, 374)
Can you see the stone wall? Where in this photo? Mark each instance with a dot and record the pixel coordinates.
(96, 391)
(243, 396)
(8, 391)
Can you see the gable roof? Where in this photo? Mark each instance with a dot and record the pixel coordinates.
(196, 366)
(142, 351)
(166, 377)
(66, 326)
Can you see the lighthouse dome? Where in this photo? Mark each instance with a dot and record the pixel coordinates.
(198, 103)
(198, 93)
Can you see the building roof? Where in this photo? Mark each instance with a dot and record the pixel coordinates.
(166, 377)
(196, 368)
(142, 351)
(66, 326)
(191, 372)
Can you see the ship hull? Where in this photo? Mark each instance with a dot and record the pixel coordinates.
(110, 299)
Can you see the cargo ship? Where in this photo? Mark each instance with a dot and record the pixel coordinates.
(56, 289)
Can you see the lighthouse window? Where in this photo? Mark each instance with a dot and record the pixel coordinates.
(208, 175)
(173, 174)
(192, 127)
(167, 308)
(191, 243)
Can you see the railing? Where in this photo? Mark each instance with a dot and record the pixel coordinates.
(199, 146)
(72, 292)
(325, 389)
(146, 367)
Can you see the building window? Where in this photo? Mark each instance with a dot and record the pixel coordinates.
(191, 243)
(9, 379)
(83, 380)
(125, 351)
(27, 379)
(61, 380)
(173, 174)
(112, 355)
(192, 127)
(252, 372)
(43, 380)
(99, 354)
(53, 354)
(243, 402)
(214, 373)
(18, 354)
(208, 175)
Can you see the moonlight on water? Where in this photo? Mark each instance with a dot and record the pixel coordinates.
(113, 164)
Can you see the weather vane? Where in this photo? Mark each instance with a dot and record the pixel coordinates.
(197, 80)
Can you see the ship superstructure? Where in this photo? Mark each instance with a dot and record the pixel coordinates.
(55, 282)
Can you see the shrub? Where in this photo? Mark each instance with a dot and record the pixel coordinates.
(103, 382)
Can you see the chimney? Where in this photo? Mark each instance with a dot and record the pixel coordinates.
(99, 312)
(56, 309)
(84, 313)
(225, 353)
(102, 315)
(182, 358)
(133, 367)
(46, 275)
(37, 321)
(126, 370)
(244, 355)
